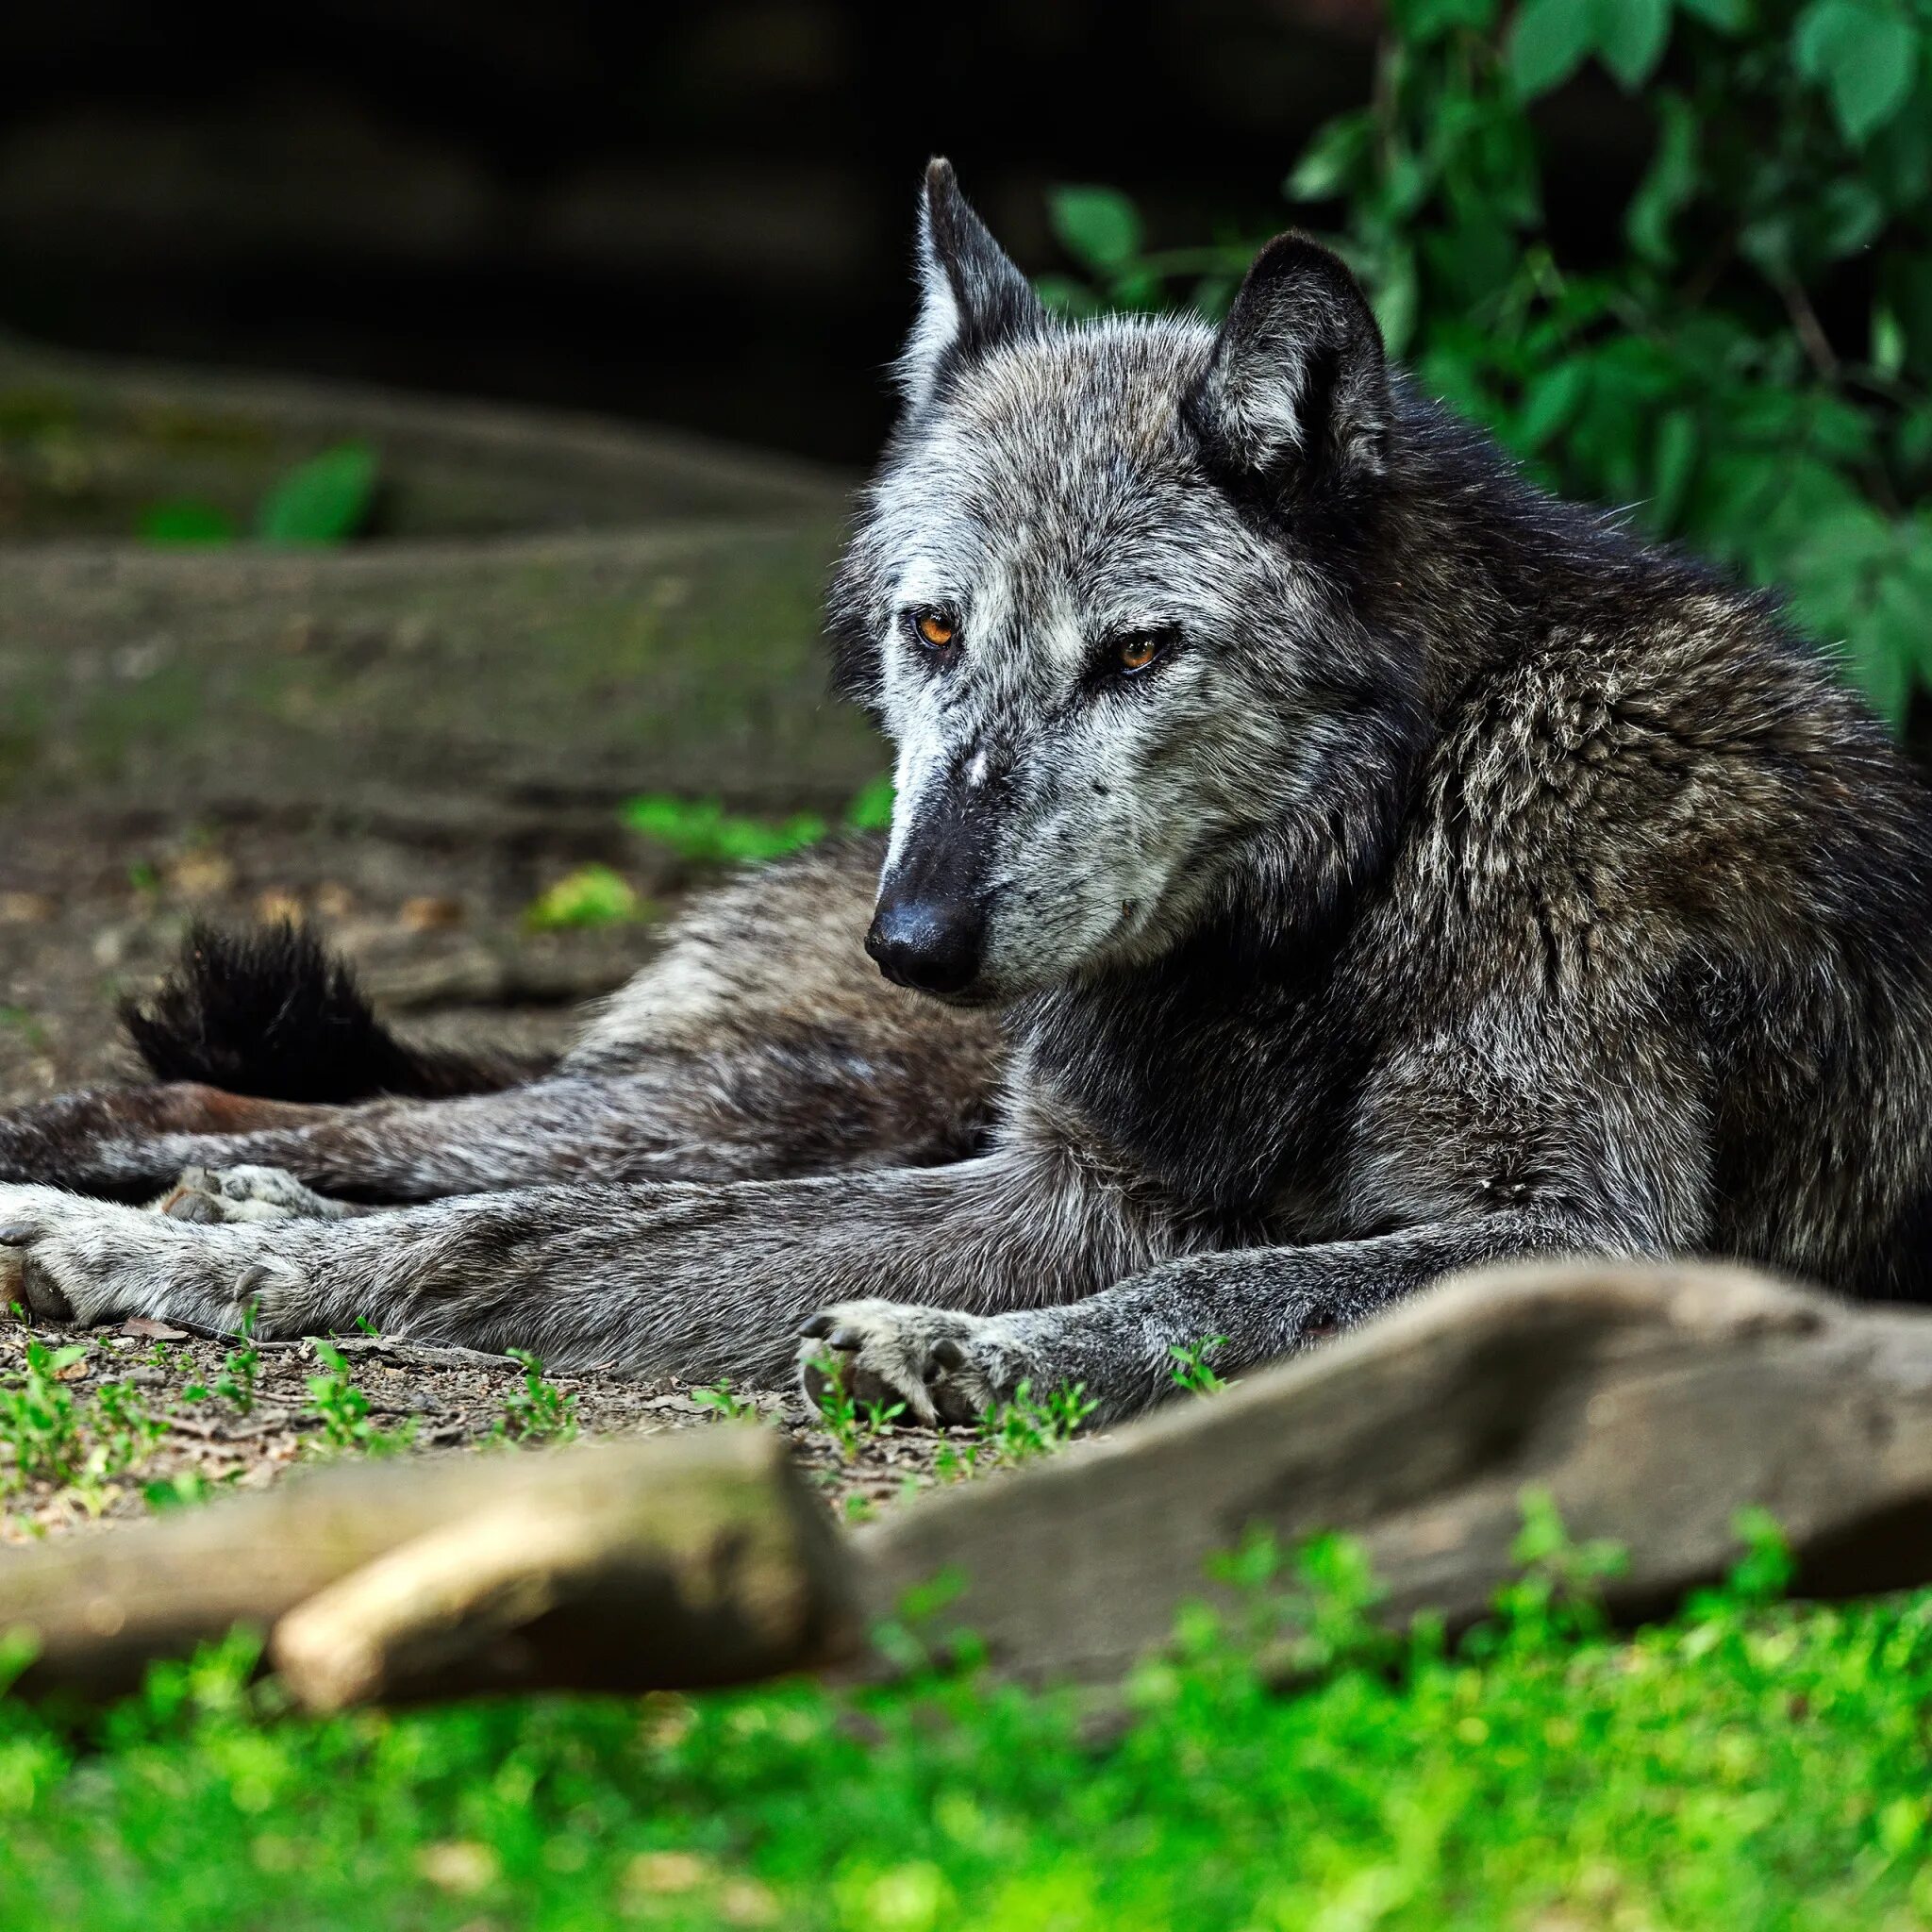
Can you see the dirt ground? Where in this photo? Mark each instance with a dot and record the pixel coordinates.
(90, 910)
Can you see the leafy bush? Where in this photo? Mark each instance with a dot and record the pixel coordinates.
(1683, 367)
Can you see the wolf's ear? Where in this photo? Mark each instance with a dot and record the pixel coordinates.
(972, 297)
(1296, 387)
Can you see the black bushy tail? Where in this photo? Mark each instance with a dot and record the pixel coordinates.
(272, 1013)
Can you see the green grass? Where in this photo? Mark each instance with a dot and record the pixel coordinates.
(1747, 1767)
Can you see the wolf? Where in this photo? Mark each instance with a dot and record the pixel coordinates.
(1321, 863)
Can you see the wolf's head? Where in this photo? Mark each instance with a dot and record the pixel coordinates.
(1109, 595)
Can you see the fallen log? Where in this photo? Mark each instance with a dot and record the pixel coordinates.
(675, 1562)
(1653, 1403)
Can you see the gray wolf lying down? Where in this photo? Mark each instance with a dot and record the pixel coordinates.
(1321, 863)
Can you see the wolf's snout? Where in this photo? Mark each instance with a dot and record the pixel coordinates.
(930, 944)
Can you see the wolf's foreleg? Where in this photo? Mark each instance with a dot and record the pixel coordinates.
(703, 1281)
(1253, 1305)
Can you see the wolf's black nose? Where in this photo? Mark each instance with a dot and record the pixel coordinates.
(933, 945)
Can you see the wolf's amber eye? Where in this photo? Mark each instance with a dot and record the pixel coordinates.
(935, 631)
(1137, 652)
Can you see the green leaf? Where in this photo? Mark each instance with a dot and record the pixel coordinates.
(1907, 282)
(1630, 36)
(1672, 460)
(1727, 16)
(1394, 299)
(1880, 654)
(1423, 20)
(1065, 296)
(1553, 399)
(1098, 226)
(325, 500)
(1549, 42)
(1861, 52)
(1331, 159)
(181, 520)
(594, 896)
(1667, 184)
(871, 809)
(1849, 215)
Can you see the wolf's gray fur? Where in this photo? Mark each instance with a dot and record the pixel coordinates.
(1321, 863)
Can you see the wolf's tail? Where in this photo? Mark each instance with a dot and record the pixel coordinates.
(271, 1012)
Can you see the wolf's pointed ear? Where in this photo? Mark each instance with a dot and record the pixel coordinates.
(1296, 386)
(972, 297)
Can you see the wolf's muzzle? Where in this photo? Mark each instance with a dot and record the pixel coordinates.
(932, 945)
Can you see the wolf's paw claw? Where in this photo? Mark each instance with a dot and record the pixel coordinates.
(938, 1365)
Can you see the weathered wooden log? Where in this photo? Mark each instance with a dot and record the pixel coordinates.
(673, 1562)
(590, 1579)
(1653, 1403)
(134, 433)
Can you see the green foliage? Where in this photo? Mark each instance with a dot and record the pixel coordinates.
(701, 831)
(40, 1419)
(187, 1489)
(1747, 1764)
(592, 895)
(344, 1412)
(538, 1410)
(1680, 369)
(870, 810)
(1192, 1371)
(325, 500)
(57, 1431)
(236, 1383)
(729, 1405)
(185, 521)
(845, 1418)
(1019, 1431)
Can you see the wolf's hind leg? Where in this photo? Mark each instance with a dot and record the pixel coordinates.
(230, 1194)
(761, 1044)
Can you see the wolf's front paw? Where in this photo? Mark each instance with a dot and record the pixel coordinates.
(945, 1367)
(70, 1259)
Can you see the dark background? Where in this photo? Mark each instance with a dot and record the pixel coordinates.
(697, 215)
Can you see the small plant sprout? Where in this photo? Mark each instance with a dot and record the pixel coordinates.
(1019, 1431)
(1191, 1366)
(54, 1436)
(236, 1383)
(342, 1410)
(592, 895)
(730, 1407)
(40, 1421)
(847, 1420)
(183, 1492)
(538, 1411)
